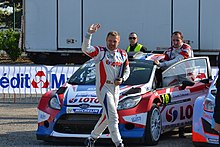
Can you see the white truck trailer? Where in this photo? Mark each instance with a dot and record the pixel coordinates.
(54, 29)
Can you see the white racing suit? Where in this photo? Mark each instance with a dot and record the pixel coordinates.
(173, 55)
(108, 65)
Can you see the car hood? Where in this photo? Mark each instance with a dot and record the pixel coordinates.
(76, 95)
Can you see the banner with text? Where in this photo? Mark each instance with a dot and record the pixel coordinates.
(33, 79)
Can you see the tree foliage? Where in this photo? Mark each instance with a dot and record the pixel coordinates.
(9, 40)
(6, 17)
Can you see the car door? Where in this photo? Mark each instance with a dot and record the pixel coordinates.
(183, 82)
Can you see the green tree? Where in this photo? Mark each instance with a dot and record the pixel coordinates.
(7, 19)
(9, 40)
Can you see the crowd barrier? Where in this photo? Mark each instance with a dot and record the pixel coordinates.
(27, 83)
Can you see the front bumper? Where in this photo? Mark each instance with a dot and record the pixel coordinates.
(80, 125)
(202, 131)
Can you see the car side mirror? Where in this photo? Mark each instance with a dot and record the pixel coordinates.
(206, 81)
(187, 83)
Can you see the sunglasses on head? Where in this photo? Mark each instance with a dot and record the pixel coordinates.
(132, 38)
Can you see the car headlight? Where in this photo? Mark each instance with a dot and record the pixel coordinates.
(129, 102)
(208, 105)
(54, 103)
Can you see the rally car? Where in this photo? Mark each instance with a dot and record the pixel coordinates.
(203, 133)
(151, 102)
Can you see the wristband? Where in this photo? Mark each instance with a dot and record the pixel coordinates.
(88, 35)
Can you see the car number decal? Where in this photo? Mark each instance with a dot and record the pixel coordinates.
(166, 98)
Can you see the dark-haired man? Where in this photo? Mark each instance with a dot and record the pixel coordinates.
(134, 45)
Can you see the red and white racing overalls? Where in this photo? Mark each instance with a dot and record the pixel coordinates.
(173, 55)
(108, 65)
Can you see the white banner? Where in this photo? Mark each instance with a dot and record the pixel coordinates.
(60, 74)
(33, 79)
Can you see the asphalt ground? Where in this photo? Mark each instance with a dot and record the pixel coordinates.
(18, 124)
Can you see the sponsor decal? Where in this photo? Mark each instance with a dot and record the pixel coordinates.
(40, 80)
(57, 80)
(91, 100)
(79, 110)
(71, 100)
(136, 119)
(183, 113)
(42, 116)
(112, 63)
(171, 114)
(140, 118)
(89, 94)
(33, 79)
(91, 89)
(177, 125)
(166, 98)
(180, 93)
(18, 81)
(213, 140)
(207, 116)
(186, 113)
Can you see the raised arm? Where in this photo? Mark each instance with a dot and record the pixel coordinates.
(86, 45)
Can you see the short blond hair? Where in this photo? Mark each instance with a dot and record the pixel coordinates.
(113, 33)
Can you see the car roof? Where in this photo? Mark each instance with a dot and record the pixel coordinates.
(144, 56)
(141, 57)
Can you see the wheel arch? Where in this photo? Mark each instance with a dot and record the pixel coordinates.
(152, 100)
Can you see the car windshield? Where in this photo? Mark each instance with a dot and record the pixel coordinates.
(140, 73)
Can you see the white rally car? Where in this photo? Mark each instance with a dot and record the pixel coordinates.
(203, 133)
(150, 103)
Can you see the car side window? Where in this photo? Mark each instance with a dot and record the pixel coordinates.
(193, 69)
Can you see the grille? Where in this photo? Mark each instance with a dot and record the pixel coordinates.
(77, 123)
